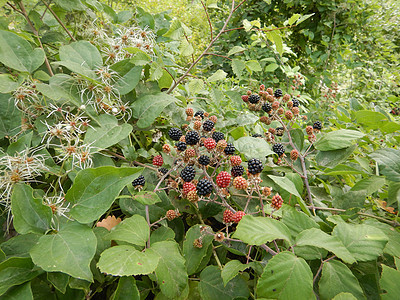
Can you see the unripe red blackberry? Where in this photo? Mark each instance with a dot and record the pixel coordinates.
(208, 125)
(276, 201)
(166, 148)
(181, 146)
(240, 183)
(270, 91)
(249, 93)
(275, 105)
(312, 138)
(280, 111)
(229, 149)
(192, 196)
(289, 104)
(217, 136)
(262, 87)
(227, 216)
(158, 161)
(309, 130)
(266, 191)
(189, 112)
(197, 125)
(213, 119)
(270, 98)
(223, 179)
(209, 143)
(204, 187)
(204, 160)
(187, 187)
(237, 171)
(171, 215)
(286, 98)
(206, 114)
(271, 130)
(237, 216)
(245, 98)
(175, 133)
(192, 137)
(221, 145)
(235, 160)
(294, 154)
(188, 173)
(265, 120)
(254, 166)
(278, 149)
(189, 153)
(288, 115)
(296, 111)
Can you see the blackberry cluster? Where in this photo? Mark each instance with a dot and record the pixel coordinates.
(192, 138)
(175, 133)
(317, 125)
(217, 136)
(204, 187)
(204, 160)
(199, 113)
(181, 146)
(237, 171)
(229, 149)
(140, 181)
(278, 93)
(278, 149)
(208, 125)
(254, 166)
(279, 131)
(296, 102)
(257, 135)
(254, 98)
(267, 107)
(188, 173)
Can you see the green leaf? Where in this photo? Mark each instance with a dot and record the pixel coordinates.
(185, 48)
(20, 245)
(344, 296)
(18, 54)
(231, 269)
(337, 278)
(175, 30)
(271, 67)
(389, 282)
(303, 18)
(342, 170)
(364, 242)
(370, 184)
(19, 292)
(253, 147)
(277, 39)
(260, 230)
(212, 287)
(238, 66)
(236, 49)
(338, 139)
(318, 238)
(94, 190)
(332, 158)
(218, 75)
(129, 81)
(70, 5)
(389, 163)
(15, 271)
(286, 277)
(286, 184)
(350, 199)
(370, 119)
(70, 251)
(253, 65)
(126, 260)
(194, 255)
(8, 83)
(59, 280)
(82, 53)
(77, 68)
(171, 270)
(293, 19)
(296, 221)
(162, 234)
(394, 193)
(30, 215)
(126, 289)
(134, 230)
(148, 107)
(10, 117)
(195, 86)
(147, 198)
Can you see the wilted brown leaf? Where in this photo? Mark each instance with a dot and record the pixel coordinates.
(109, 222)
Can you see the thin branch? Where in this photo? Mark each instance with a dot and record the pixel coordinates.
(58, 20)
(208, 19)
(173, 78)
(239, 5)
(269, 250)
(218, 55)
(260, 29)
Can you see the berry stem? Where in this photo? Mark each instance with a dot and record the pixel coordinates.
(268, 249)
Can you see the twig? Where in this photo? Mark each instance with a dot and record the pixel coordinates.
(260, 29)
(218, 55)
(330, 44)
(58, 20)
(148, 222)
(208, 19)
(268, 249)
(320, 267)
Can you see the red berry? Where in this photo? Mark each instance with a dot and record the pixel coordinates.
(276, 201)
(187, 187)
(223, 179)
(309, 130)
(172, 214)
(227, 216)
(235, 160)
(245, 98)
(294, 154)
(158, 161)
(189, 111)
(262, 87)
(240, 183)
(209, 143)
(238, 216)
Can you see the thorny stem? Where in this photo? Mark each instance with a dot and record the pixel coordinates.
(58, 20)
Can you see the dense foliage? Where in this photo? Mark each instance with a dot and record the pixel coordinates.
(243, 150)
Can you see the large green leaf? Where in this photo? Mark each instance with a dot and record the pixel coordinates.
(338, 139)
(211, 286)
(23, 292)
(134, 230)
(260, 230)
(83, 53)
(8, 83)
(129, 81)
(286, 277)
(148, 107)
(20, 245)
(253, 147)
(126, 289)
(369, 185)
(390, 283)
(350, 199)
(70, 251)
(370, 119)
(109, 134)
(363, 241)
(286, 184)
(332, 158)
(126, 260)
(94, 190)
(231, 269)
(10, 117)
(296, 221)
(18, 54)
(30, 215)
(337, 278)
(171, 270)
(318, 238)
(389, 163)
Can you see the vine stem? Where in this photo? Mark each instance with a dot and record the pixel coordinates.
(58, 20)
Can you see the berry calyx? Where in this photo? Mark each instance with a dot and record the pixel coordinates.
(223, 179)
(158, 161)
(237, 216)
(240, 183)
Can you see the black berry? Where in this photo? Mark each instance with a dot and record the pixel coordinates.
(278, 93)
(217, 136)
(188, 173)
(237, 171)
(175, 133)
(163, 171)
(254, 98)
(199, 113)
(267, 107)
(139, 181)
(257, 135)
(192, 138)
(229, 149)
(204, 187)
(296, 102)
(208, 125)
(181, 146)
(254, 166)
(204, 160)
(317, 125)
(279, 131)
(278, 149)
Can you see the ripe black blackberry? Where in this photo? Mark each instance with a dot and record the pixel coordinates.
(279, 131)
(254, 98)
(175, 133)
(267, 107)
(229, 149)
(188, 173)
(278, 93)
(181, 146)
(296, 102)
(192, 138)
(162, 171)
(217, 136)
(278, 149)
(140, 181)
(204, 160)
(208, 125)
(204, 187)
(199, 113)
(237, 171)
(317, 125)
(257, 135)
(254, 166)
